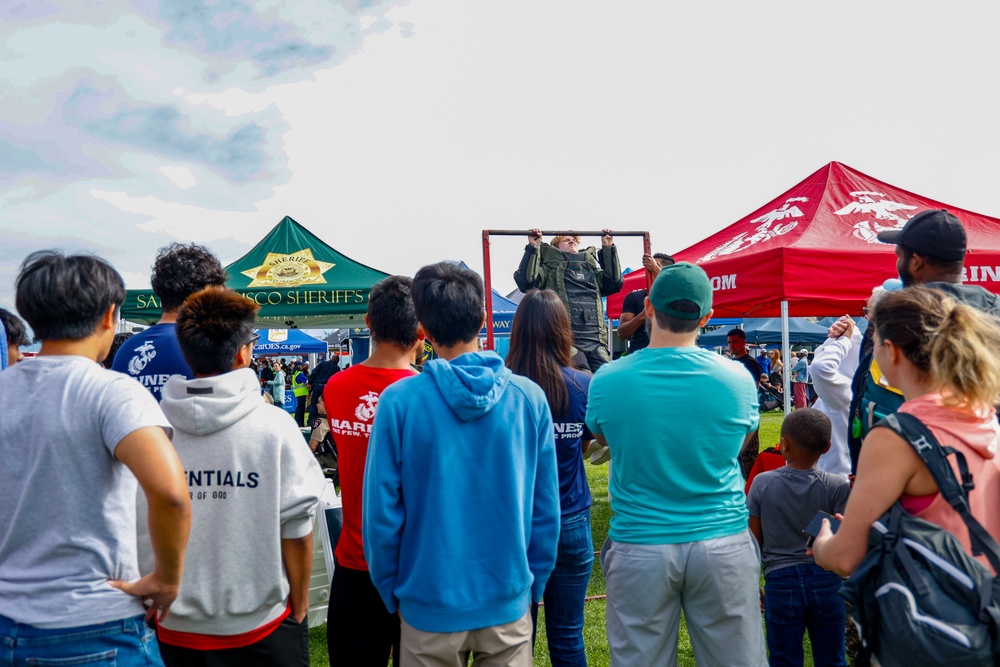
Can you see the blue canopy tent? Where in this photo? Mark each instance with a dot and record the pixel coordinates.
(503, 314)
(287, 341)
(503, 311)
(859, 322)
(503, 320)
(768, 330)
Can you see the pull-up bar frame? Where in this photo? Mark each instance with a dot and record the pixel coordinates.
(487, 277)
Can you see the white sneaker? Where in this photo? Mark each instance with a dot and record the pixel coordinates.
(602, 455)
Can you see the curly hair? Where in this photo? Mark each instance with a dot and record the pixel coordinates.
(556, 240)
(181, 270)
(809, 429)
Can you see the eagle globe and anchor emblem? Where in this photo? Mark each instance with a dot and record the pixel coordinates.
(143, 355)
(880, 208)
(772, 224)
(885, 214)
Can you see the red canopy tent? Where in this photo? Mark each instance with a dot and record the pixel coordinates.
(814, 247)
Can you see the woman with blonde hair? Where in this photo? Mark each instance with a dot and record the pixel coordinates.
(942, 355)
(777, 368)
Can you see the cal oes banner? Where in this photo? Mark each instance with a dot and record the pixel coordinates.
(296, 279)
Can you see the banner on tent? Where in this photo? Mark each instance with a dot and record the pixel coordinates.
(293, 276)
(302, 297)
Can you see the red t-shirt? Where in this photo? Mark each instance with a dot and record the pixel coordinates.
(351, 397)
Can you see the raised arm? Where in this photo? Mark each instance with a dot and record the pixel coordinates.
(530, 274)
(611, 269)
(831, 385)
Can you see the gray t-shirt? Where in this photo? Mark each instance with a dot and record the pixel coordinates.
(68, 505)
(786, 500)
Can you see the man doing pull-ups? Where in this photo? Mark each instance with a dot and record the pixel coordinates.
(580, 278)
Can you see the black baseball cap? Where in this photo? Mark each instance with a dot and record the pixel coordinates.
(931, 233)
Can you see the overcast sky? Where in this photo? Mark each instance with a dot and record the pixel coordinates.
(397, 131)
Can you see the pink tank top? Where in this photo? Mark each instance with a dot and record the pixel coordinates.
(977, 435)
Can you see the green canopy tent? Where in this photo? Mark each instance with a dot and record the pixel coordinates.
(297, 280)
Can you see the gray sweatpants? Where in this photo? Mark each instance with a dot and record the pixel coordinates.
(716, 582)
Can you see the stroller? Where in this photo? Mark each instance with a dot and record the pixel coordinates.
(769, 396)
(326, 456)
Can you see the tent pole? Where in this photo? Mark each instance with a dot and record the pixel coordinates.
(488, 284)
(786, 355)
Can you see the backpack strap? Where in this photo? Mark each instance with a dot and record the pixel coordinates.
(935, 457)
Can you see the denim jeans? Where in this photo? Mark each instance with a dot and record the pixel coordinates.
(804, 597)
(566, 590)
(123, 643)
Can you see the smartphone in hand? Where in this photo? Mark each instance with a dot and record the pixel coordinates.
(812, 530)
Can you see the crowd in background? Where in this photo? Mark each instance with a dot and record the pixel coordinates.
(465, 498)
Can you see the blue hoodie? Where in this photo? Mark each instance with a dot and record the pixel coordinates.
(461, 495)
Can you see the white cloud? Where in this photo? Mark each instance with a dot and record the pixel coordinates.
(180, 176)
(404, 145)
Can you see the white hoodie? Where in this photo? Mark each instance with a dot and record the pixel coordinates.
(832, 370)
(253, 482)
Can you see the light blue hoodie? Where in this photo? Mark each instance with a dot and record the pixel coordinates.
(461, 495)
(3, 348)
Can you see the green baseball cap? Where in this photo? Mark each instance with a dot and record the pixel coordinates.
(682, 282)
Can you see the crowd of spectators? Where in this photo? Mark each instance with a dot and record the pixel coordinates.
(184, 534)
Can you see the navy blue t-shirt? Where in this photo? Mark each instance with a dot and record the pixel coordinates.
(151, 357)
(571, 431)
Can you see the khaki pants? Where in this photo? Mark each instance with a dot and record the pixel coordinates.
(497, 646)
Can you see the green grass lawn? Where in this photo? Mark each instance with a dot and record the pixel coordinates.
(594, 631)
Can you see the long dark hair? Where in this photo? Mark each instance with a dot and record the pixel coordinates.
(540, 343)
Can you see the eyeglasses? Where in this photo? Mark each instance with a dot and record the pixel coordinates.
(253, 341)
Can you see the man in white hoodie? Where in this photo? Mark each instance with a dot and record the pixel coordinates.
(832, 369)
(254, 488)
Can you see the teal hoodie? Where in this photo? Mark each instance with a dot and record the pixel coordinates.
(461, 495)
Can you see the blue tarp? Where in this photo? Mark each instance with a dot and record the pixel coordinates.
(768, 330)
(287, 341)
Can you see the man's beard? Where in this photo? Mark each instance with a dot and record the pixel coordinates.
(905, 276)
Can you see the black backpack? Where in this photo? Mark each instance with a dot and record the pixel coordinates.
(918, 597)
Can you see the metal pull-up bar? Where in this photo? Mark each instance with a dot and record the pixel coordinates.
(487, 277)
